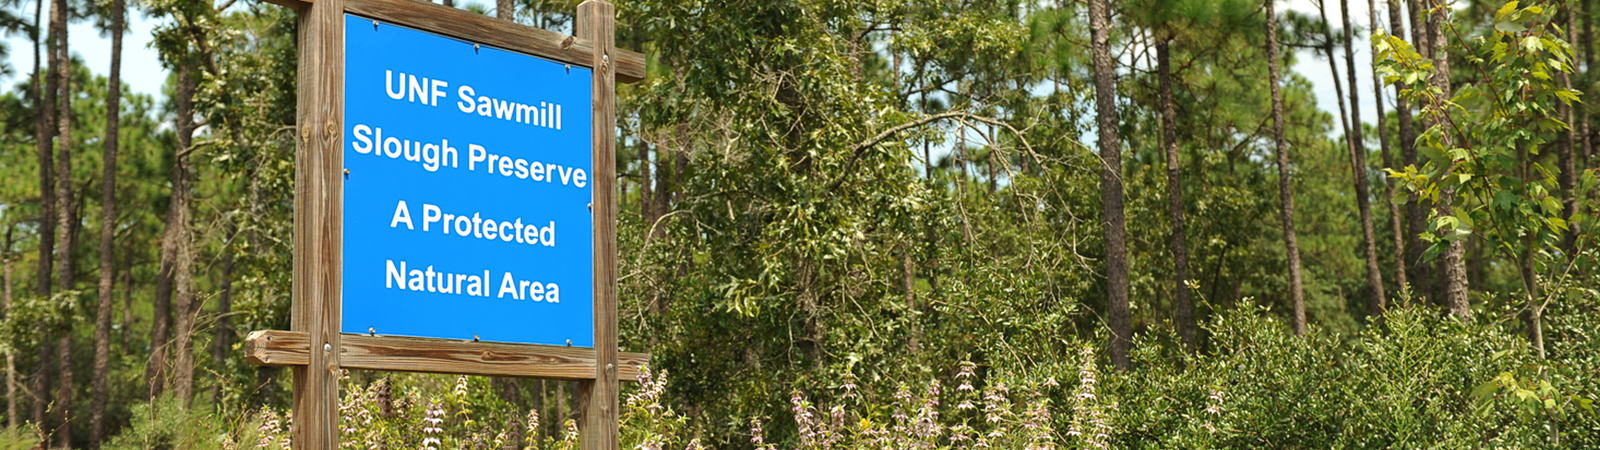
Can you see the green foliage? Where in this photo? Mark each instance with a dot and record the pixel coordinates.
(168, 424)
(19, 438)
(1417, 382)
(1424, 380)
(857, 205)
(1487, 138)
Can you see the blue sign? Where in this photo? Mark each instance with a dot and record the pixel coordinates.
(466, 192)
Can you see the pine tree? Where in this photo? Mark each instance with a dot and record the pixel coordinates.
(1285, 189)
(1358, 167)
(1110, 184)
(108, 231)
(1180, 247)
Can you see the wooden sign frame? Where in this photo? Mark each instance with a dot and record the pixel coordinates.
(309, 345)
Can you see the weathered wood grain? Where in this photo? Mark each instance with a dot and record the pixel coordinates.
(396, 353)
(597, 24)
(318, 191)
(486, 30)
(313, 347)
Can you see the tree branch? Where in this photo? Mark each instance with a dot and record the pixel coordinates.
(860, 148)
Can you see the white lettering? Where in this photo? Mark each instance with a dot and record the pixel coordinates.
(401, 214)
(417, 89)
(388, 85)
(475, 154)
(536, 291)
(438, 91)
(465, 105)
(363, 144)
(395, 276)
(430, 214)
(566, 173)
(508, 285)
(416, 280)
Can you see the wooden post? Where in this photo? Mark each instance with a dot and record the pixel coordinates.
(314, 347)
(596, 24)
(317, 222)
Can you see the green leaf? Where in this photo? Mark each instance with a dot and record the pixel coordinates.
(1506, 9)
(1509, 27)
(1484, 391)
(1532, 44)
(1465, 218)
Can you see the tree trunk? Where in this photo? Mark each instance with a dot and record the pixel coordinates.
(993, 161)
(680, 168)
(108, 232)
(537, 433)
(1285, 188)
(266, 386)
(927, 158)
(1105, 97)
(127, 298)
(1180, 246)
(1420, 37)
(1530, 289)
(1417, 208)
(646, 205)
(510, 390)
(183, 265)
(172, 245)
(40, 385)
(11, 359)
(560, 416)
(1588, 77)
(1344, 117)
(223, 342)
(1455, 271)
(161, 323)
(1525, 265)
(908, 286)
(63, 406)
(1476, 255)
(1358, 166)
(65, 211)
(66, 208)
(1407, 139)
(1565, 146)
(44, 105)
(663, 194)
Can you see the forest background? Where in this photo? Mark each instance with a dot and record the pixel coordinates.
(883, 223)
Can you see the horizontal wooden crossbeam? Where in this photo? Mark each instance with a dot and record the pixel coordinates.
(408, 354)
(481, 29)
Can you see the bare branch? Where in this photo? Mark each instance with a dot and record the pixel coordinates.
(860, 148)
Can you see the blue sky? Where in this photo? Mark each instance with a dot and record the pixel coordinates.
(141, 67)
(142, 72)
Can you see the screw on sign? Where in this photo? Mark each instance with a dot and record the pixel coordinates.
(417, 104)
